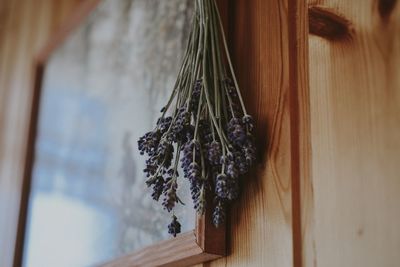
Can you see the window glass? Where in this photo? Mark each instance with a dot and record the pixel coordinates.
(102, 90)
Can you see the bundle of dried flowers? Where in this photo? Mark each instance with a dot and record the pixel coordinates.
(204, 126)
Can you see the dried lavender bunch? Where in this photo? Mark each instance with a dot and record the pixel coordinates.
(204, 126)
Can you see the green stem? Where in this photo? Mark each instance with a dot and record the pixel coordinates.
(210, 109)
(229, 59)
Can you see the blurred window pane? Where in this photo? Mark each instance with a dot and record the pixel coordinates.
(102, 90)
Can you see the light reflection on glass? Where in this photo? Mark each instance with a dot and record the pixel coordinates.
(101, 91)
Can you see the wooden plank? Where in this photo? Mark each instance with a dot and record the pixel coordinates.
(182, 251)
(300, 131)
(355, 129)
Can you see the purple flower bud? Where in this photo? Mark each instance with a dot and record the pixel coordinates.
(218, 215)
(194, 172)
(151, 167)
(249, 151)
(181, 126)
(226, 187)
(187, 156)
(194, 101)
(149, 143)
(214, 153)
(200, 200)
(174, 227)
(232, 171)
(221, 186)
(170, 197)
(163, 124)
(236, 131)
(158, 188)
(248, 122)
(165, 153)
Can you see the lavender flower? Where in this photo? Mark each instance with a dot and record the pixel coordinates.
(187, 157)
(158, 188)
(236, 131)
(195, 191)
(232, 171)
(149, 143)
(214, 153)
(170, 187)
(200, 200)
(174, 227)
(248, 121)
(165, 153)
(219, 214)
(221, 186)
(181, 125)
(163, 124)
(249, 151)
(192, 170)
(237, 157)
(226, 187)
(194, 176)
(195, 99)
(151, 167)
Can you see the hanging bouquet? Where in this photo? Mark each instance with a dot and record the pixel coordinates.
(204, 127)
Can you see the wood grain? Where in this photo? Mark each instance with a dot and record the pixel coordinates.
(204, 244)
(24, 29)
(355, 129)
(261, 232)
(183, 251)
(329, 24)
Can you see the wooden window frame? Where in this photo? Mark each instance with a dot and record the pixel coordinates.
(204, 243)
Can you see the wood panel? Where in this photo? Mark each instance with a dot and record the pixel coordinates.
(24, 27)
(261, 222)
(355, 129)
(263, 229)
